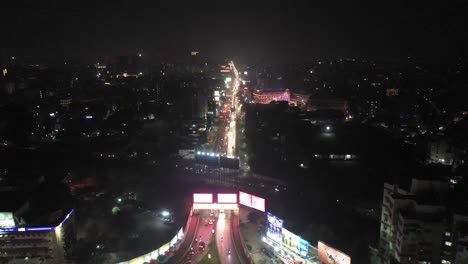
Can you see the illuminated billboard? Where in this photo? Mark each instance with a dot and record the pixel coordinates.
(303, 248)
(258, 203)
(6, 220)
(291, 241)
(202, 198)
(227, 198)
(329, 255)
(245, 199)
(274, 228)
(252, 201)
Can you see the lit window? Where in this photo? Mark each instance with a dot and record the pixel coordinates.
(448, 243)
(447, 234)
(445, 262)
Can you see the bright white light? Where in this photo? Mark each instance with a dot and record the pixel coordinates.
(328, 128)
(52, 114)
(165, 213)
(139, 55)
(119, 200)
(198, 152)
(264, 239)
(245, 73)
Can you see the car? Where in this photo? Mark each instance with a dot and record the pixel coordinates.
(201, 246)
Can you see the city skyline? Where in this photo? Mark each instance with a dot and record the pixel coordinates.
(56, 32)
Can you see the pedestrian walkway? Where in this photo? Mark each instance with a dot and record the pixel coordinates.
(252, 234)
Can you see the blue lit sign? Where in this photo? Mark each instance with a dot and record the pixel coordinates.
(40, 228)
(66, 217)
(35, 229)
(303, 248)
(274, 227)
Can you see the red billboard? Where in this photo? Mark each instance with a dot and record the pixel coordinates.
(202, 198)
(329, 255)
(252, 201)
(227, 198)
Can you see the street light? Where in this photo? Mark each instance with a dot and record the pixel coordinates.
(328, 128)
(165, 213)
(119, 200)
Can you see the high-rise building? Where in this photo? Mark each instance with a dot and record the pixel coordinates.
(414, 224)
(34, 228)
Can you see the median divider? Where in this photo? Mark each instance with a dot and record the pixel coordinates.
(239, 245)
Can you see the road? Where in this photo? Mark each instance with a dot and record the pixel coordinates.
(231, 134)
(189, 237)
(222, 134)
(204, 234)
(224, 239)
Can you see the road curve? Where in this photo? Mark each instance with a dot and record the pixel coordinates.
(180, 253)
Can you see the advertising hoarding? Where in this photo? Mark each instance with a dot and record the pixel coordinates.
(245, 199)
(274, 228)
(202, 198)
(291, 241)
(329, 255)
(303, 248)
(6, 220)
(227, 198)
(258, 203)
(252, 201)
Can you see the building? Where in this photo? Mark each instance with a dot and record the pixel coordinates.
(130, 66)
(440, 151)
(32, 232)
(314, 104)
(459, 238)
(391, 92)
(266, 97)
(414, 224)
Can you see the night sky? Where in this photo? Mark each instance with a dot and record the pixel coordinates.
(57, 31)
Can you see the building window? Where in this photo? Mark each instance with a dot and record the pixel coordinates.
(448, 243)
